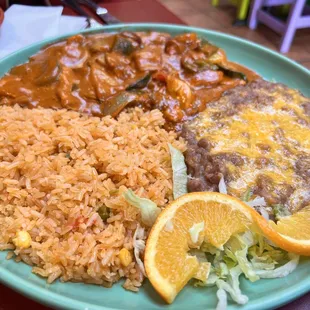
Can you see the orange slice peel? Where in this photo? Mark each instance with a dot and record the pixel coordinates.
(213, 218)
(290, 233)
(168, 263)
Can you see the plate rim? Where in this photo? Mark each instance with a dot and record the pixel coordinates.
(49, 298)
(163, 26)
(44, 296)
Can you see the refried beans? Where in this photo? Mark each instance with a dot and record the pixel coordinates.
(258, 138)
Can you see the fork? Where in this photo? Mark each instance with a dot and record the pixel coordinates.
(101, 12)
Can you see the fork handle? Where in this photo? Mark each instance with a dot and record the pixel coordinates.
(101, 12)
(89, 3)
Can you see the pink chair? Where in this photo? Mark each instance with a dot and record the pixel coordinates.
(296, 19)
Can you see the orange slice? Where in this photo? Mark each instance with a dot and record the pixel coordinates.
(291, 233)
(185, 224)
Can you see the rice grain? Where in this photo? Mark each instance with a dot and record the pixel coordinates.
(57, 168)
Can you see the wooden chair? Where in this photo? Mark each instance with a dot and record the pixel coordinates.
(296, 19)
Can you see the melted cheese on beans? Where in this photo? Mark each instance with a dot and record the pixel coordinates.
(276, 132)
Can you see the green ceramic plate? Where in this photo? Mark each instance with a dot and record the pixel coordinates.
(264, 294)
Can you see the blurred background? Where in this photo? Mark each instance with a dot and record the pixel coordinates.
(282, 25)
(202, 13)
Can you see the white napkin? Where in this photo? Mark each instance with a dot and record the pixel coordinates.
(24, 25)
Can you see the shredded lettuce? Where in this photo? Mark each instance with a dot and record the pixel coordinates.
(245, 265)
(195, 230)
(234, 293)
(247, 195)
(239, 245)
(179, 172)
(233, 279)
(222, 299)
(264, 213)
(139, 246)
(280, 211)
(257, 202)
(247, 254)
(201, 256)
(149, 210)
(222, 186)
(282, 271)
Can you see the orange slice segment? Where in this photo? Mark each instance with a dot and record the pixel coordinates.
(168, 263)
(203, 271)
(291, 233)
